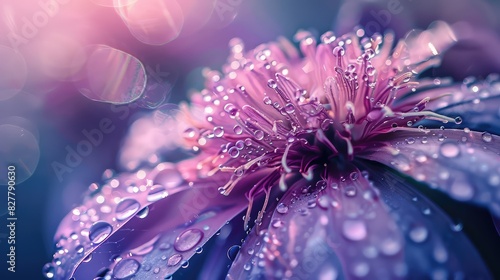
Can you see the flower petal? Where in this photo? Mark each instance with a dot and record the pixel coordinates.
(322, 234)
(474, 104)
(435, 246)
(135, 226)
(465, 165)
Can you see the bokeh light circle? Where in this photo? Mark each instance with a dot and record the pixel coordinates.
(19, 148)
(111, 76)
(13, 72)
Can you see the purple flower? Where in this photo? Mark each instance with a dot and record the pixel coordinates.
(327, 147)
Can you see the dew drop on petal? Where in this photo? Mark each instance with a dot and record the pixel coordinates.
(238, 129)
(418, 234)
(494, 180)
(457, 227)
(126, 268)
(361, 269)
(87, 258)
(354, 230)
(234, 152)
(48, 270)
(232, 252)
(168, 177)
(440, 254)
(174, 260)
(218, 131)
(282, 208)
(79, 249)
(390, 246)
(410, 140)
(157, 192)
(449, 150)
(126, 208)
(462, 190)
(188, 239)
(350, 191)
(259, 134)
(189, 132)
(99, 231)
(112, 76)
(487, 137)
(143, 213)
(247, 266)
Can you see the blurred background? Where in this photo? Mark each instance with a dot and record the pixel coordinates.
(77, 75)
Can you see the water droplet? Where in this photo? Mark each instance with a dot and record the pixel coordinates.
(188, 239)
(126, 268)
(238, 129)
(87, 258)
(247, 266)
(169, 177)
(370, 252)
(233, 252)
(440, 254)
(126, 208)
(424, 140)
(282, 208)
(233, 152)
(420, 156)
(354, 176)
(361, 269)
(189, 133)
(272, 84)
(49, 270)
(185, 264)
(354, 230)
(418, 234)
(390, 246)
(289, 108)
(494, 180)
(156, 193)
(457, 227)
(79, 249)
(350, 191)
(174, 260)
(449, 150)
(462, 190)
(338, 51)
(410, 140)
(487, 137)
(99, 231)
(143, 213)
(218, 131)
(458, 120)
(259, 134)
(324, 201)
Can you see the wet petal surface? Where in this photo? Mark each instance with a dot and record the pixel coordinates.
(435, 247)
(323, 235)
(145, 224)
(462, 163)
